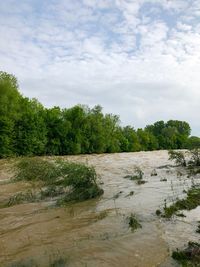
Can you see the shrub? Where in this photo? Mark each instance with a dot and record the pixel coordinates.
(195, 157)
(137, 176)
(76, 175)
(178, 156)
(190, 256)
(133, 222)
(189, 203)
(79, 179)
(36, 169)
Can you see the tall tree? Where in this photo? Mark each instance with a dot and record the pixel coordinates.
(30, 129)
(9, 112)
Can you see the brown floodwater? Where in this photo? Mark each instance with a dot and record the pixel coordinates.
(96, 233)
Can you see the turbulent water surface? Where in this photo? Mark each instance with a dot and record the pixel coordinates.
(96, 232)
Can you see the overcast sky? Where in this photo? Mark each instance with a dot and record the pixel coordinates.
(139, 59)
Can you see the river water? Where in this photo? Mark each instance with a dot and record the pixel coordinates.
(96, 233)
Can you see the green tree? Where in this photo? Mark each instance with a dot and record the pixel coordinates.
(111, 126)
(94, 132)
(6, 137)
(193, 142)
(132, 141)
(58, 127)
(76, 117)
(30, 129)
(9, 112)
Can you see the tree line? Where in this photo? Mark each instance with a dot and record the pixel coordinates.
(28, 128)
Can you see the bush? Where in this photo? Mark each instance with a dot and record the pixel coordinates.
(133, 222)
(190, 256)
(36, 169)
(79, 179)
(76, 175)
(137, 176)
(178, 156)
(189, 203)
(195, 157)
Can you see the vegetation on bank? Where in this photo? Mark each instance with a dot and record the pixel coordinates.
(178, 157)
(189, 158)
(62, 180)
(27, 128)
(188, 257)
(190, 202)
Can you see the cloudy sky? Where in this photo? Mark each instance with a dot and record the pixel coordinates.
(139, 59)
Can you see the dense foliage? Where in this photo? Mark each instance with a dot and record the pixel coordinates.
(27, 128)
(71, 181)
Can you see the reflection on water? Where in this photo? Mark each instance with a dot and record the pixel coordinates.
(96, 232)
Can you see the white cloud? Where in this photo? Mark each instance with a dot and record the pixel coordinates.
(109, 52)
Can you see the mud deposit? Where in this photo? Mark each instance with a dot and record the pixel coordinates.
(96, 232)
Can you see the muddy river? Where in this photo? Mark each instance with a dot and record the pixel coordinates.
(96, 233)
